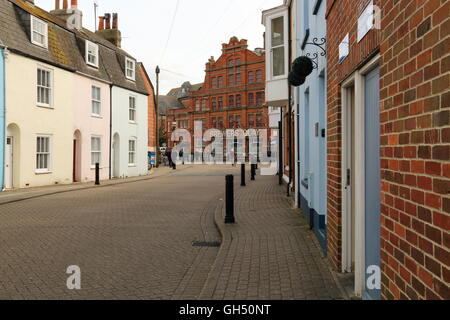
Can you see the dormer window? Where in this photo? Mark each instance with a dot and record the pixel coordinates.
(130, 69)
(39, 32)
(92, 54)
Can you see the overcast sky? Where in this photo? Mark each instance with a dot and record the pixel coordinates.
(198, 31)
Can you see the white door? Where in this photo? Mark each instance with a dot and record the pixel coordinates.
(9, 163)
(116, 157)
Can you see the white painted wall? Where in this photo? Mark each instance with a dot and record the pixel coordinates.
(126, 130)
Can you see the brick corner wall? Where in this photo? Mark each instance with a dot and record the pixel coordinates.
(415, 146)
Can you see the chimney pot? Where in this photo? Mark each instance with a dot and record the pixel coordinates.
(74, 3)
(65, 4)
(57, 4)
(108, 21)
(101, 23)
(115, 24)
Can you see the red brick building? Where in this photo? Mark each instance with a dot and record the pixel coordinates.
(151, 110)
(232, 95)
(406, 52)
(415, 149)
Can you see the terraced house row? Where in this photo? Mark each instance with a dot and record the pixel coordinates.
(70, 98)
(364, 91)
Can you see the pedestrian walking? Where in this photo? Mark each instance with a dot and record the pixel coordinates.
(169, 157)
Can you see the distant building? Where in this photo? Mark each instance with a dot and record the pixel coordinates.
(231, 97)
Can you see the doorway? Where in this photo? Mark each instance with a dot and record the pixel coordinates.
(361, 178)
(116, 156)
(12, 157)
(9, 169)
(76, 175)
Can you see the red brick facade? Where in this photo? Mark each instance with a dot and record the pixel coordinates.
(413, 44)
(415, 153)
(232, 95)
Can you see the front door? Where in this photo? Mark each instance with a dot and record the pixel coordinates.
(9, 163)
(373, 181)
(74, 174)
(116, 157)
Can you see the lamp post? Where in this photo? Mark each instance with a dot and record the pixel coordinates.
(157, 116)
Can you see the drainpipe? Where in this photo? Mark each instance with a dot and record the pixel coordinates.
(289, 115)
(110, 130)
(3, 114)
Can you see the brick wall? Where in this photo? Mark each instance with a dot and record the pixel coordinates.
(415, 149)
(342, 17)
(151, 108)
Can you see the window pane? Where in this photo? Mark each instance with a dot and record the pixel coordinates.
(278, 61)
(277, 31)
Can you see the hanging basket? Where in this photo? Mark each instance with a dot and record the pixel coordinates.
(295, 80)
(303, 66)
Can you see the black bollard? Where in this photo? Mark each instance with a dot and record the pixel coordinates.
(229, 199)
(242, 174)
(253, 172)
(97, 174)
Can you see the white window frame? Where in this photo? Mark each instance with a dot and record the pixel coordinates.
(93, 100)
(132, 109)
(49, 153)
(285, 45)
(45, 34)
(134, 152)
(268, 17)
(133, 77)
(89, 43)
(96, 151)
(50, 88)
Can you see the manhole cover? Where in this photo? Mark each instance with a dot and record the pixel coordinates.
(206, 244)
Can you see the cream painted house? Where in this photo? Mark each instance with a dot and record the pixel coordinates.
(38, 126)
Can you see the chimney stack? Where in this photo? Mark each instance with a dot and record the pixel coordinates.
(113, 34)
(73, 16)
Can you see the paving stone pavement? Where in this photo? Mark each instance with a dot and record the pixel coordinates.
(269, 253)
(134, 241)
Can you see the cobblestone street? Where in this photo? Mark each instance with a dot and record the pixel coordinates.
(134, 241)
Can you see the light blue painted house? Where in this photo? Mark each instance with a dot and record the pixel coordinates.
(311, 118)
(2, 115)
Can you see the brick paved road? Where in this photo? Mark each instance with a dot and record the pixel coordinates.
(134, 241)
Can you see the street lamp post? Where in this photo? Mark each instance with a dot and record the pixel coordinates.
(157, 116)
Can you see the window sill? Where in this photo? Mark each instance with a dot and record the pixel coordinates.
(42, 172)
(93, 168)
(92, 65)
(44, 106)
(37, 44)
(96, 116)
(132, 122)
(132, 166)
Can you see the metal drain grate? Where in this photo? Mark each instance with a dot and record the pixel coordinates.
(206, 244)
